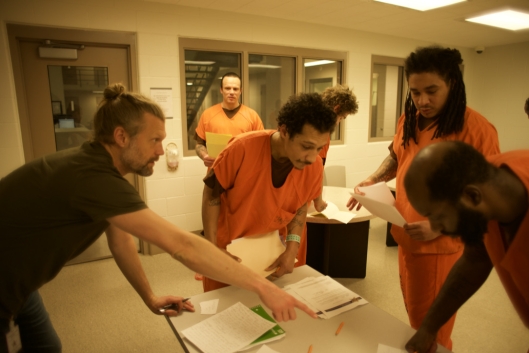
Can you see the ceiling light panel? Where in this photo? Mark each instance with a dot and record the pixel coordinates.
(507, 19)
(421, 5)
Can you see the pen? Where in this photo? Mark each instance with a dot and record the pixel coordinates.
(173, 306)
(339, 328)
(310, 349)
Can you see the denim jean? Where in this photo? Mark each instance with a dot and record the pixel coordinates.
(36, 330)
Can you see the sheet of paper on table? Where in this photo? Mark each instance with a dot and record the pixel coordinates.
(382, 348)
(209, 307)
(325, 296)
(228, 331)
(265, 349)
(379, 200)
(216, 143)
(258, 251)
(333, 212)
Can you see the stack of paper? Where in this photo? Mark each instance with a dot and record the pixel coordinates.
(379, 200)
(324, 296)
(333, 212)
(229, 331)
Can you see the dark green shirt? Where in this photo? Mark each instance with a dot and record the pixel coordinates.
(51, 210)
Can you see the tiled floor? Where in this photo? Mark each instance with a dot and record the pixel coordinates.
(94, 309)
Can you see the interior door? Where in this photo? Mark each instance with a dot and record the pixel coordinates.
(62, 96)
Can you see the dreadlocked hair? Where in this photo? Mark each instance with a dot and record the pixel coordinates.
(444, 62)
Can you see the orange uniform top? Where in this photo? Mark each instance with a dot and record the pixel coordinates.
(512, 265)
(251, 204)
(478, 132)
(215, 120)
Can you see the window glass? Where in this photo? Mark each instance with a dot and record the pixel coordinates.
(320, 74)
(272, 81)
(203, 71)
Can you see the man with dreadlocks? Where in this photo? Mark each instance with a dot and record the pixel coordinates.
(435, 111)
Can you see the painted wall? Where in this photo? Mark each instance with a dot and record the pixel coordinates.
(177, 195)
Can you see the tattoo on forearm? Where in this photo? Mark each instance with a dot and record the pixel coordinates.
(200, 150)
(386, 171)
(296, 221)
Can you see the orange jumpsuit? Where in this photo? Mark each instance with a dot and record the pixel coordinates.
(424, 265)
(512, 265)
(215, 120)
(251, 204)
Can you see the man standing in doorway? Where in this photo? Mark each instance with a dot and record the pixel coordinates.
(229, 117)
(435, 110)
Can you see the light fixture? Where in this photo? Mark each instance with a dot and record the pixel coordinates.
(190, 83)
(318, 62)
(193, 62)
(421, 5)
(506, 19)
(264, 66)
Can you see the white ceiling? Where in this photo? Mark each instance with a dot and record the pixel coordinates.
(445, 25)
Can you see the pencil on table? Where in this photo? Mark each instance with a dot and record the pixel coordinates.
(339, 328)
(310, 349)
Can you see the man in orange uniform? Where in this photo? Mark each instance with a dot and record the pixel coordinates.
(263, 180)
(229, 117)
(343, 102)
(461, 193)
(435, 111)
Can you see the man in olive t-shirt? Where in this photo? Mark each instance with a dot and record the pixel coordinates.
(56, 206)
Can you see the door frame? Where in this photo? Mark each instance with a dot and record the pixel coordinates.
(16, 32)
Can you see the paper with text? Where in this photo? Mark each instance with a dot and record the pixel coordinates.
(209, 307)
(329, 297)
(379, 200)
(228, 331)
(216, 142)
(333, 212)
(257, 252)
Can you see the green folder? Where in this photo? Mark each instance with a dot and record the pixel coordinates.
(273, 334)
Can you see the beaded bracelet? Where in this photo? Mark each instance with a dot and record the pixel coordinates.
(294, 237)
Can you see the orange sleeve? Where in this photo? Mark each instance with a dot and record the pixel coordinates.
(228, 162)
(201, 130)
(258, 124)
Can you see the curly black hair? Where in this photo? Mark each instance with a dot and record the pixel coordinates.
(306, 108)
(444, 62)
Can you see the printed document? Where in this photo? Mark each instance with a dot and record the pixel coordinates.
(333, 212)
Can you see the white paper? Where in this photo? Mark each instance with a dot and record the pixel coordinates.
(333, 212)
(209, 307)
(164, 98)
(382, 348)
(258, 252)
(329, 297)
(265, 349)
(379, 200)
(228, 331)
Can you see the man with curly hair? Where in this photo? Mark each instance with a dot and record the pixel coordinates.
(263, 180)
(435, 110)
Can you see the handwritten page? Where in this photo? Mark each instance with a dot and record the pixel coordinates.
(382, 348)
(379, 200)
(258, 252)
(329, 297)
(228, 331)
(209, 307)
(333, 212)
(216, 143)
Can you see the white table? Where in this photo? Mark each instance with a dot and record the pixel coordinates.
(365, 327)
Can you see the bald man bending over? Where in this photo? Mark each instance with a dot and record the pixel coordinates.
(462, 193)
